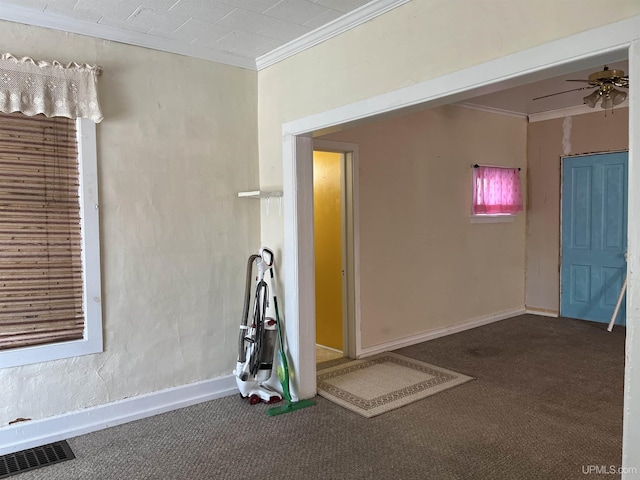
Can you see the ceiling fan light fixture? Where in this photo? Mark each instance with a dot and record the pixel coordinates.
(618, 96)
(607, 102)
(592, 99)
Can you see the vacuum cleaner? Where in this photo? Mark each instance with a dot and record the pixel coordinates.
(258, 335)
(257, 343)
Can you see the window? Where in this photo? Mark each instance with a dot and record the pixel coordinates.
(50, 306)
(496, 191)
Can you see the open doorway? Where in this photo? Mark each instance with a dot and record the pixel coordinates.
(328, 208)
(335, 250)
(298, 145)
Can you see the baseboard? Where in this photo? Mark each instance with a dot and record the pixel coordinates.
(329, 348)
(31, 434)
(542, 312)
(439, 332)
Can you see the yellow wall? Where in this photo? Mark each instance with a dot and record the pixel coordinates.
(328, 248)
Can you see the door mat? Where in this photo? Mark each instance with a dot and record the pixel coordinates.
(384, 382)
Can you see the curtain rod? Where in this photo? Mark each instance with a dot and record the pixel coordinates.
(476, 166)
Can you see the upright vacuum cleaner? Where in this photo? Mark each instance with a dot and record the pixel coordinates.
(258, 336)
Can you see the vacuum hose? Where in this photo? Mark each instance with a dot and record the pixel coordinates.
(242, 352)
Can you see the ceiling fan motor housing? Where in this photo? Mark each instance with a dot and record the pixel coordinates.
(615, 77)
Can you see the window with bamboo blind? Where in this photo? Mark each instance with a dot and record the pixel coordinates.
(43, 241)
(50, 293)
(41, 288)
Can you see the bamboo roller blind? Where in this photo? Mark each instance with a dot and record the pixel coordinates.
(40, 238)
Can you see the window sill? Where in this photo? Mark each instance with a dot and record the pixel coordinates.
(18, 357)
(492, 218)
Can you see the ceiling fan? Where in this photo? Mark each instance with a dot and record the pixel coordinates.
(604, 83)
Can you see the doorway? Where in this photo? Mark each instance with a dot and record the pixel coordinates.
(328, 219)
(335, 249)
(593, 235)
(561, 56)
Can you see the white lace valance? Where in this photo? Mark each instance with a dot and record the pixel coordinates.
(33, 87)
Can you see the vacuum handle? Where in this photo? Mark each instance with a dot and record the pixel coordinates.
(267, 256)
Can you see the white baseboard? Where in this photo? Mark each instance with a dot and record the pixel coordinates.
(543, 312)
(31, 434)
(439, 332)
(329, 348)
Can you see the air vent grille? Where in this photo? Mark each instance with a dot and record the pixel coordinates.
(32, 458)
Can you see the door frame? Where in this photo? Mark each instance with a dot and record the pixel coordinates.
(587, 49)
(349, 220)
(562, 159)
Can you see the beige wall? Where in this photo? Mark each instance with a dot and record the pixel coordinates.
(178, 141)
(418, 41)
(548, 141)
(424, 265)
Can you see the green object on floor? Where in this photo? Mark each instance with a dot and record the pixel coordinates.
(283, 373)
(283, 376)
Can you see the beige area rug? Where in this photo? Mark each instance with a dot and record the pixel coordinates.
(384, 382)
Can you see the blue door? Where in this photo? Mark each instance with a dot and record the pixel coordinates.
(594, 236)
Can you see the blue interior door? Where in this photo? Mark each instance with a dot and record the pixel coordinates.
(594, 236)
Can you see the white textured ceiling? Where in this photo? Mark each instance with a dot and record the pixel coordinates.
(236, 32)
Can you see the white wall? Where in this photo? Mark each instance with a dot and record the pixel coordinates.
(178, 141)
(424, 265)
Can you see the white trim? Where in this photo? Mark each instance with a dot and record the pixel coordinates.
(484, 108)
(92, 297)
(298, 252)
(493, 218)
(631, 419)
(570, 112)
(542, 312)
(31, 434)
(329, 348)
(334, 28)
(441, 332)
(28, 16)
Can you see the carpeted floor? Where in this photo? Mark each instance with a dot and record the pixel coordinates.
(546, 404)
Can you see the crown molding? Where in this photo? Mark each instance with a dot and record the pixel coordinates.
(540, 116)
(483, 108)
(340, 25)
(57, 22)
(570, 112)
(348, 21)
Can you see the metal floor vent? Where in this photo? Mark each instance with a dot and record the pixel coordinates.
(32, 458)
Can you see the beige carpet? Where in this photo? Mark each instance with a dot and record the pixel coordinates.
(384, 382)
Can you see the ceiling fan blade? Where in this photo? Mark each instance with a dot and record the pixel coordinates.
(559, 93)
(575, 80)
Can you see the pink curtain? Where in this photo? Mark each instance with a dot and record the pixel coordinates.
(497, 190)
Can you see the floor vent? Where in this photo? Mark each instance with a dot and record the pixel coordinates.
(32, 458)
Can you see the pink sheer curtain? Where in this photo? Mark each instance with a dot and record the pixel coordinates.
(497, 190)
